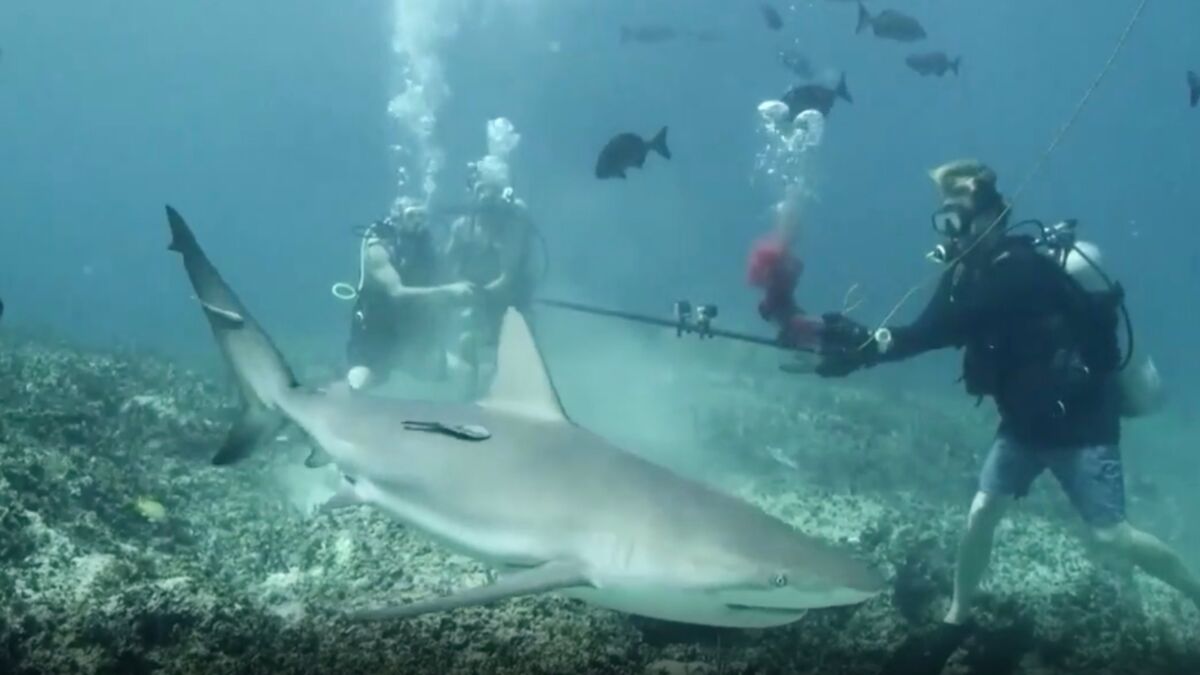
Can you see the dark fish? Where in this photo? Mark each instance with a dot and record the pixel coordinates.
(647, 34)
(774, 21)
(625, 151)
(706, 35)
(1193, 88)
(796, 62)
(815, 97)
(890, 24)
(933, 63)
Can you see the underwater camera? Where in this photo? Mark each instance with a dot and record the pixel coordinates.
(698, 319)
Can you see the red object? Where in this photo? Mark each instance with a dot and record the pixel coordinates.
(773, 268)
(772, 264)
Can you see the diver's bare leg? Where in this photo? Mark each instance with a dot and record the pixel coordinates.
(975, 552)
(1152, 555)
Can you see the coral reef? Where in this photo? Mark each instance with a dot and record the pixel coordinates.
(123, 551)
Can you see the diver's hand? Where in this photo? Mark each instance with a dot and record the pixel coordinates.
(846, 346)
(842, 332)
(460, 292)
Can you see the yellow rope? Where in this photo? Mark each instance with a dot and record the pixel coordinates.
(1133, 20)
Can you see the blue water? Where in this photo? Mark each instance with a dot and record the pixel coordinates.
(266, 124)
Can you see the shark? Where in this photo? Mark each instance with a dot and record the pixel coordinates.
(512, 482)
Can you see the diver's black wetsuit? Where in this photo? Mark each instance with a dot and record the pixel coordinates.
(1044, 348)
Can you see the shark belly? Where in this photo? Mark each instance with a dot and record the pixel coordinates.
(498, 547)
(685, 606)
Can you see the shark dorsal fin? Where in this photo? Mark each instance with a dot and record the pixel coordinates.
(521, 384)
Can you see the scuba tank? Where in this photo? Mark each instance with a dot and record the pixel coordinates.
(1141, 385)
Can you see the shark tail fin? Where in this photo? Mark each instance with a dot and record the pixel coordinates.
(263, 378)
(864, 19)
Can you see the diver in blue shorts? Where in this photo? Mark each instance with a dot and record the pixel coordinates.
(1044, 344)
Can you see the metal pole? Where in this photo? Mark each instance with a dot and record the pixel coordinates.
(666, 323)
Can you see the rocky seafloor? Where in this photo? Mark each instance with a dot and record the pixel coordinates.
(123, 551)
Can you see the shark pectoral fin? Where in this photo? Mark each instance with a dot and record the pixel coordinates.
(345, 496)
(551, 576)
(317, 458)
(257, 426)
(228, 317)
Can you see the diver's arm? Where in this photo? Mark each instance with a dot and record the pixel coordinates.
(934, 328)
(847, 345)
(513, 249)
(379, 271)
(453, 241)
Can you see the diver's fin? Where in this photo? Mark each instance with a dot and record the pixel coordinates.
(521, 383)
(551, 576)
(927, 654)
(256, 427)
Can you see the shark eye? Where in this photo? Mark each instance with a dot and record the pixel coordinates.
(779, 580)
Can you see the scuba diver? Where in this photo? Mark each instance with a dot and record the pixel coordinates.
(400, 311)
(490, 248)
(1046, 349)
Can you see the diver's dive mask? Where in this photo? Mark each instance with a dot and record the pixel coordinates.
(491, 198)
(952, 220)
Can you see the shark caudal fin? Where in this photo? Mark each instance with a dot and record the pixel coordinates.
(522, 384)
(263, 378)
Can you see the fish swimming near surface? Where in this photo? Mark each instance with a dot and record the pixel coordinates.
(1193, 88)
(890, 24)
(628, 150)
(771, 16)
(651, 34)
(796, 62)
(512, 482)
(815, 97)
(706, 35)
(933, 63)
